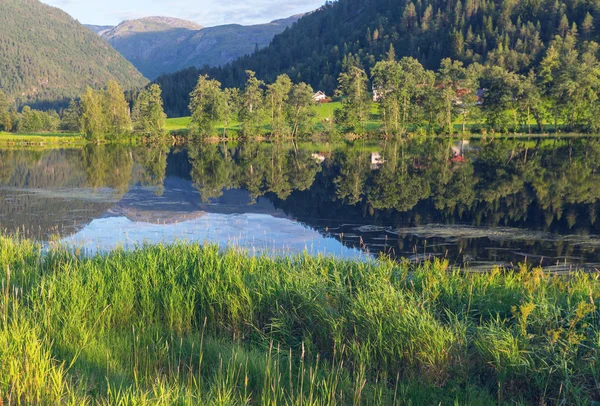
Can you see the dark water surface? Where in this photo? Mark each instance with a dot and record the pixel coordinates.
(477, 204)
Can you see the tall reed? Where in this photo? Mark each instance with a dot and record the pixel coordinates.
(190, 324)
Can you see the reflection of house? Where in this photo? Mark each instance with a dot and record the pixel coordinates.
(376, 160)
(458, 151)
(376, 95)
(320, 97)
(480, 96)
(320, 158)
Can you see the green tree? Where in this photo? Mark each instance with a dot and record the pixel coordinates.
(29, 121)
(232, 103)
(208, 105)
(116, 110)
(387, 84)
(570, 76)
(588, 25)
(71, 117)
(5, 122)
(149, 118)
(93, 121)
(276, 100)
(499, 105)
(416, 84)
(301, 109)
(530, 101)
(353, 87)
(252, 105)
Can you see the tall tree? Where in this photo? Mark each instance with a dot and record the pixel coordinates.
(149, 118)
(231, 110)
(252, 105)
(387, 78)
(571, 78)
(354, 88)
(301, 109)
(93, 121)
(71, 117)
(207, 104)
(5, 122)
(499, 105)
(116, 110)
(276, 100)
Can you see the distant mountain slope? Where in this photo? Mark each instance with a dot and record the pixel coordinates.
(509, 33)
(158, 45)
(47, 55)
(100, 29)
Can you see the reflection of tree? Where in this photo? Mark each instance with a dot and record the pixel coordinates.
(211, 169)
(108, 166)
(542, 186)
(153, 159)
(259, 168)
(353, 168)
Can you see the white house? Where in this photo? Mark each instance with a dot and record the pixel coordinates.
(319, 97)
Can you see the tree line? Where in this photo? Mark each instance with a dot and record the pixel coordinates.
(103, 114)
(562, 94)
(289, 109)
(563, 91)
(511, 34)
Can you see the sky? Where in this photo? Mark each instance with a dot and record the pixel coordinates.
(204, 12)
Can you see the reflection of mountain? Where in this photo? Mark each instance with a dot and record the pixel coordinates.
(180, 201)
(41, 193)
(418, 200)
(39, 215)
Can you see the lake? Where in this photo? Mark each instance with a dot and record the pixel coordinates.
(476, 204)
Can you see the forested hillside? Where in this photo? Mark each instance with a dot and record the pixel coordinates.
(508, 33)
(157, 45)
(46, 55)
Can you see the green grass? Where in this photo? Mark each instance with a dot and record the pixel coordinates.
(174, 124)
(40, 138)
(188, 324)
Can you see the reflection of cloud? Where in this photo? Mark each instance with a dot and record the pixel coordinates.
(253, 233)
(204, 12)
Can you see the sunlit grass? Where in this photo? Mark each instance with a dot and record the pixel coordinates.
(41, 138)
(189, 324)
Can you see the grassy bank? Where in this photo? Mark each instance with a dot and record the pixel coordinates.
(41, 139)
(190, 325)
(323, 123)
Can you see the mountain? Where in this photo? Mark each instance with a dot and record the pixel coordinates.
(47, 55)
(509, 33)
(99, 29)
(157, 45)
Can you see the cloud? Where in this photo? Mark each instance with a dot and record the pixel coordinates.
(205, 12)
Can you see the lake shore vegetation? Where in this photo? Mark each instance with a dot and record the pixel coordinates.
(189, 324)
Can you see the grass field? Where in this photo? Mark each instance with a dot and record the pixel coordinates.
(325, 114)
(188, 324)
(41, 138)
(324, 119)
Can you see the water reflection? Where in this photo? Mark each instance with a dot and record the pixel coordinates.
(476, 203)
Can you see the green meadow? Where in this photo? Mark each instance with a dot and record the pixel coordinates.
(190, 324)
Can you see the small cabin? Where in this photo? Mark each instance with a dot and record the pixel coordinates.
(320, 97)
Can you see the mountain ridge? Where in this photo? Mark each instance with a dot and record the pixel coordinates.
(158, 45)
(46, 55)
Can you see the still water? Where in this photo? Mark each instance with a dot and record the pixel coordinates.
(477, 203)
